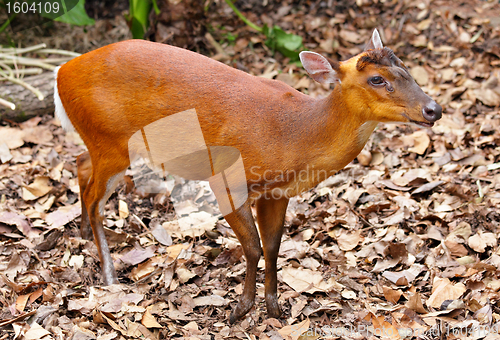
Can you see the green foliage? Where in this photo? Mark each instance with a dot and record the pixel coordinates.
(68, 11)
(75, 16)
(229, 37)
(6, 23)
(139, 16)
(287, 44)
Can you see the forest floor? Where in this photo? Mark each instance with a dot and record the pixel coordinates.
(401, 244)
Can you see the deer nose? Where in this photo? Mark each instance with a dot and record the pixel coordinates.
(432, 111)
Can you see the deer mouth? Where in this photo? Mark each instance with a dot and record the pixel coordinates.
(426, 124)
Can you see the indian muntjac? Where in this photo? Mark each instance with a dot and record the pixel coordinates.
(118, 91)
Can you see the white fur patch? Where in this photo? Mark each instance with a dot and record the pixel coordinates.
(60, 112)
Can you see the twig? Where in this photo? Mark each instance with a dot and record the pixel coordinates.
(7, 68)
(25, 61)
(367, 224)
(243, 18)
(17, 318)
(139, 220)
(24, 71)
(37, 93)
(13, 50)
(10, 105)
(61, 52)
(215, 44)
(47, 61)
(28, 71)
(9, 56)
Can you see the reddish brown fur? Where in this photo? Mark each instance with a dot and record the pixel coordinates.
(84, 166)
(112, 92)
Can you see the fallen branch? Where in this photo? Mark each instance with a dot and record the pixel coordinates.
(31, 96)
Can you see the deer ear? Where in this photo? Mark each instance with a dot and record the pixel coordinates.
(318, 67)
(374, 42)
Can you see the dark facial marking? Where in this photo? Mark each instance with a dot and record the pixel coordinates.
(382, 57)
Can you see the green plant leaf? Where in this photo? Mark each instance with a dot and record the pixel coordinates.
(155, 6)
(266, 30)
(76, 16)
(287, 44)
(139, 17)
(290, 42)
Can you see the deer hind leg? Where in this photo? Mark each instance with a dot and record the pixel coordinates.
(106, 174)
(84, 166)
(243, 225)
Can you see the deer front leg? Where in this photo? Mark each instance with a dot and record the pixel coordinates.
(270, 218)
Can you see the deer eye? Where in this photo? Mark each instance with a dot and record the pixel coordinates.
(377, 80)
